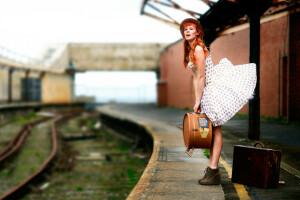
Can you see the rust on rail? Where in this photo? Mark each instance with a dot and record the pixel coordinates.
(20, 189)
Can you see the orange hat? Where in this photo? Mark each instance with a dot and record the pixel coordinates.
(194, 21)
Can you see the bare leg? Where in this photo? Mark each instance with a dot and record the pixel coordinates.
(212, 174)
(216, 149)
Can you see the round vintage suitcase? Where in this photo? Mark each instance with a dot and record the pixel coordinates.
(197, 131)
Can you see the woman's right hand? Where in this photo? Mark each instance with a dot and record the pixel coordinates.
(197, 108)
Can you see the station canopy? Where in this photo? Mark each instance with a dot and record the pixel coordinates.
(214, 15)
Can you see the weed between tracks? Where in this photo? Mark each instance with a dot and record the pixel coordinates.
(100, 168)
(33, 154)
(24, 119)
(9, 130)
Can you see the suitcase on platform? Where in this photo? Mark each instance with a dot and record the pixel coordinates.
(258, 167)
(197, 131)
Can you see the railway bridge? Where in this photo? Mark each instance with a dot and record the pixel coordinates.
(51, 78)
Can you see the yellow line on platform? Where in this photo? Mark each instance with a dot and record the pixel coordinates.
(240, 189)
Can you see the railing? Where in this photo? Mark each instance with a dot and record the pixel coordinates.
(17, 57)
(11, 59)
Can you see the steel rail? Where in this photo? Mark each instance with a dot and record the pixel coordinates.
(23, 187)
(16, 143)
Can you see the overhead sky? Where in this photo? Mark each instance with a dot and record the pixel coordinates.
(29, 25)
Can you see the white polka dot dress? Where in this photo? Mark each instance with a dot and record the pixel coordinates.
(227, 89)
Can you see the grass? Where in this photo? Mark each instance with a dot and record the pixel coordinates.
(106, 135)
(35, 150)
(5, 172)
(124, 147)
(135, 162)
(90, 123)
(241, 115)
(114, 178)
(244, 140)
(23, 119)
(280, 119)
(186, 108)
(79, 188)
(206, 153)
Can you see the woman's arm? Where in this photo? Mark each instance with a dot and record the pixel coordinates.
(199, 80)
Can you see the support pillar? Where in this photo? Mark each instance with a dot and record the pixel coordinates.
(254, 10)
(10, 71)
(27, 86)
(254, 104)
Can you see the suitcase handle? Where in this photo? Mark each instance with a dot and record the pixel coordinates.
(201, 113)
(261, 144)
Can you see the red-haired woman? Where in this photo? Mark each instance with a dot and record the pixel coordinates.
(220, 91)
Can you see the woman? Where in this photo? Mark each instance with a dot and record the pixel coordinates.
(220, 91)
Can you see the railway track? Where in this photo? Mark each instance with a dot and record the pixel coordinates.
(14, 147)
(8, 130)
(90, 168)
(16, 143)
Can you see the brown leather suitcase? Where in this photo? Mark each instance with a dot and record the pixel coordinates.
(197, 131)
(258, 167)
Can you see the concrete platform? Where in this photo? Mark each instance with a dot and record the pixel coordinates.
(171, 174)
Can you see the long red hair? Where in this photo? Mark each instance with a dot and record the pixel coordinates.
(191, 50)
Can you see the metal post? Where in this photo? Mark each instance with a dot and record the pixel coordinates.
(26, 86)
(10, 71)
(254, 104)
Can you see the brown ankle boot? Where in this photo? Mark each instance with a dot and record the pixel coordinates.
(212, 177)
(205, 174)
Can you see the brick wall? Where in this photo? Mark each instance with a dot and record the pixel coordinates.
(235, 46)
(178, 80)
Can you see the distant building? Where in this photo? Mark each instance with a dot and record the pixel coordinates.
(51, 80)
(31, 81)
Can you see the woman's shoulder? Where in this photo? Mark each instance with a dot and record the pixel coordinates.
(199, 49)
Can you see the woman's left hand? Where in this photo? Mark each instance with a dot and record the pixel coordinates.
(197, 108)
